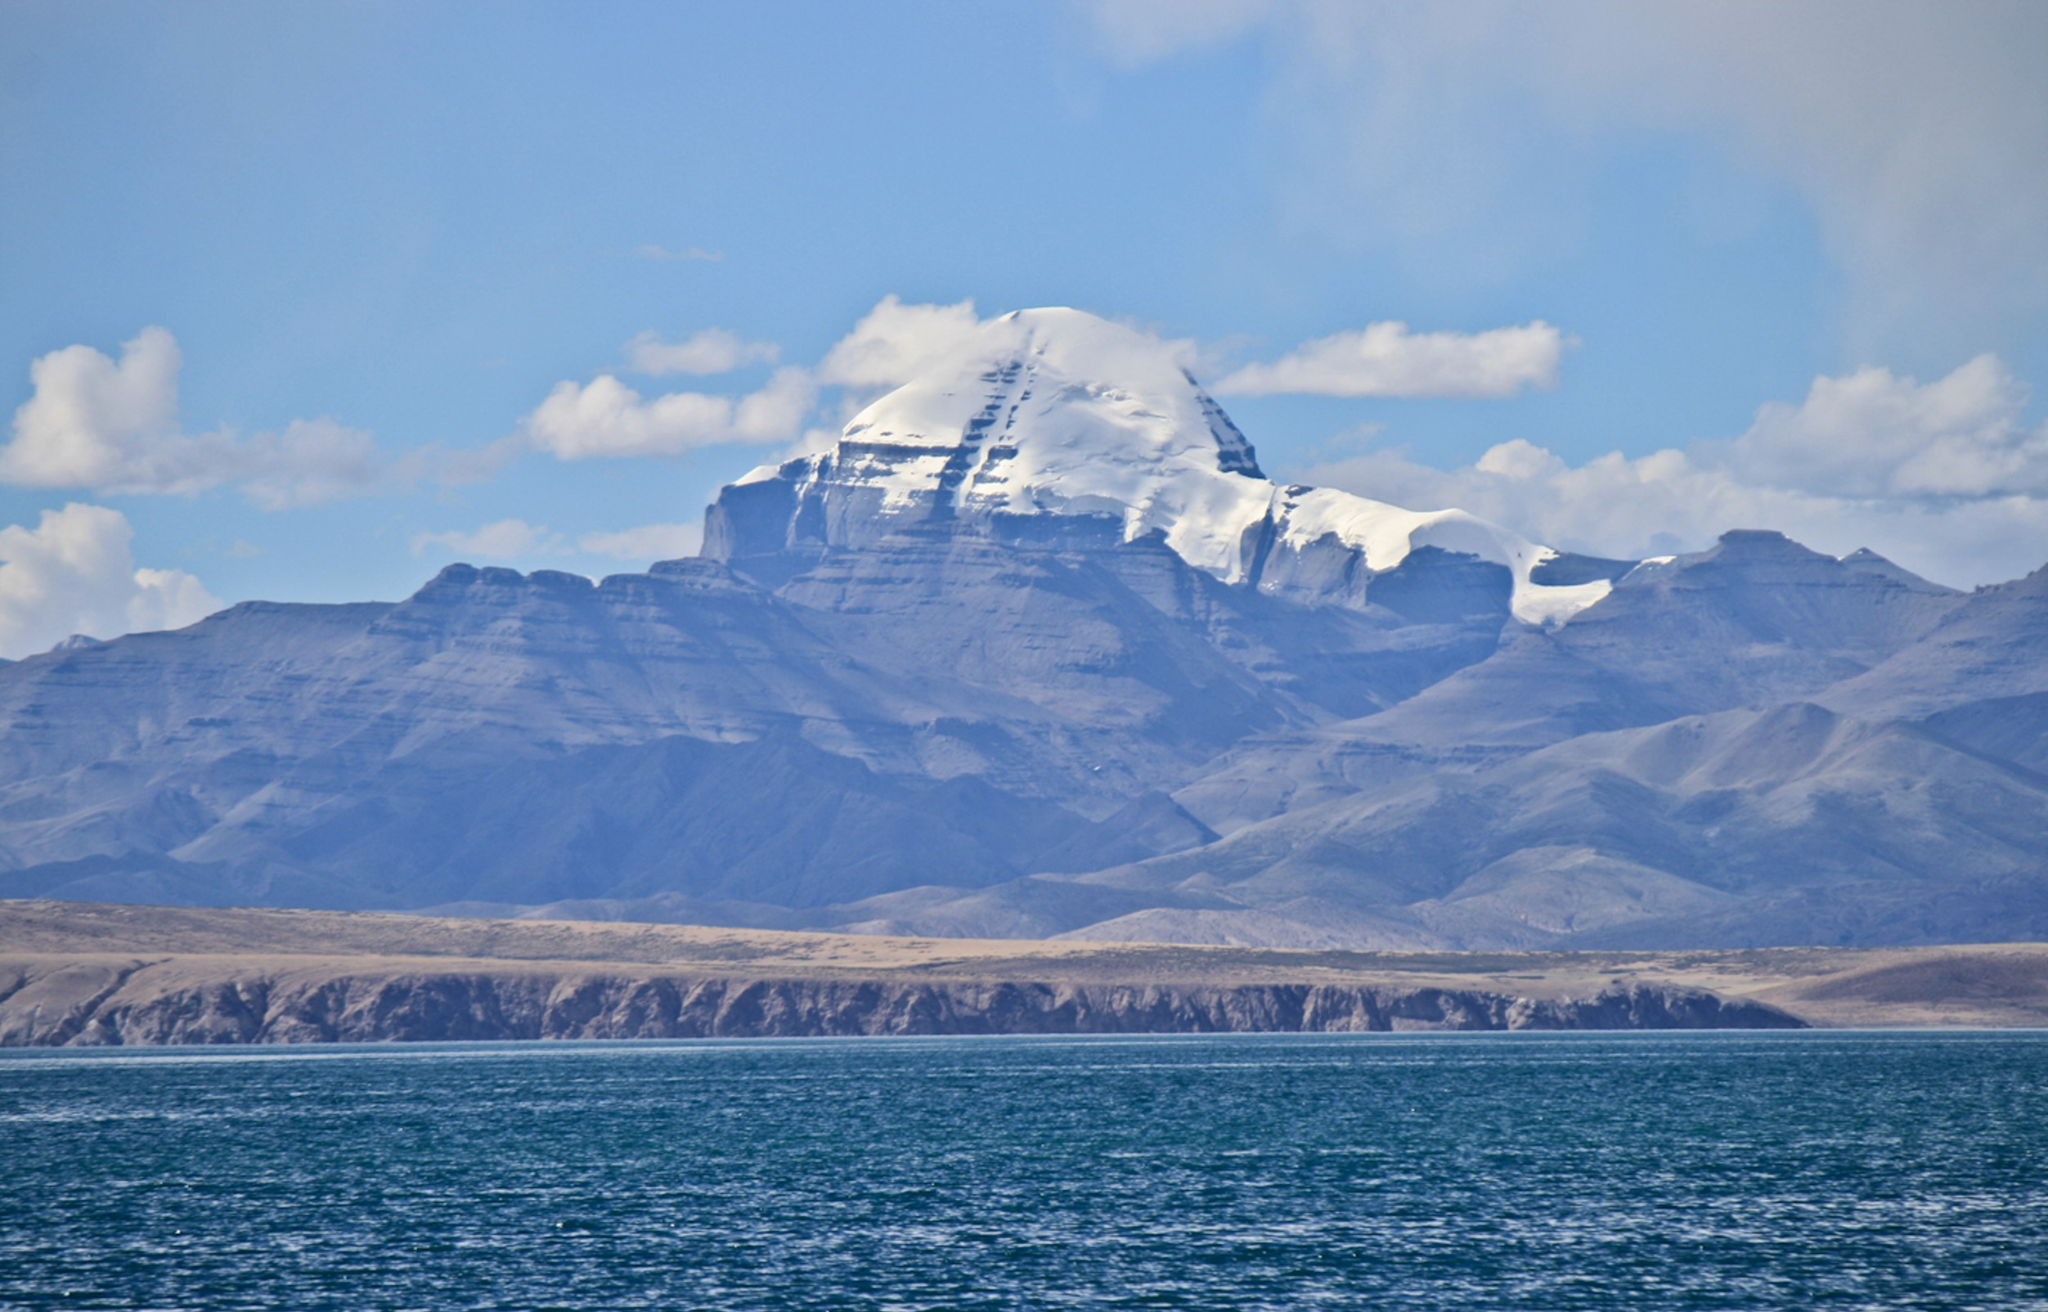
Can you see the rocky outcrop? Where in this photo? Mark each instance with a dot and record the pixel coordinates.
(98, 1003)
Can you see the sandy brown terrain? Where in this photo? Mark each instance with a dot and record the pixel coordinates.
(95, 972)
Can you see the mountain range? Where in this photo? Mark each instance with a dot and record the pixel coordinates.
(1036, 649)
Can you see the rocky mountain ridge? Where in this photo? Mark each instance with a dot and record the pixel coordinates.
(1037, 649)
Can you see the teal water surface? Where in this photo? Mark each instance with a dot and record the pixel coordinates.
(1736, 1171)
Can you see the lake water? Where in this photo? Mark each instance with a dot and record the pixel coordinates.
(1640, 1171)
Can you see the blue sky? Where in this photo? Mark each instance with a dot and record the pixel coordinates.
(1800, 252)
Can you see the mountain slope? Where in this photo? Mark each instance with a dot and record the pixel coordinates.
(1777, 826)
(1754, 620)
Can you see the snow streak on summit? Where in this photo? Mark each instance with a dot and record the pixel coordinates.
(1055, 413)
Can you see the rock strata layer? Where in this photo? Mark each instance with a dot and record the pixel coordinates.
(177, 1001)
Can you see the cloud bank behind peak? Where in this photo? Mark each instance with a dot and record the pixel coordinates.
(1946, 477)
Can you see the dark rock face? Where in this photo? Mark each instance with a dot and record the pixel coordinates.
(952, 732)
(941, 707)
(120, 1005)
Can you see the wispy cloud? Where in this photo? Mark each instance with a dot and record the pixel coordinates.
(647, 542)
(894, 340)
(500, 540)
(516, 539)
(711, 351)
(1387, 359)
(686, 254)
(606, 418)
(1469, 135)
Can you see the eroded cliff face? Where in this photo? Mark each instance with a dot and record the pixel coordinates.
(112, 1002)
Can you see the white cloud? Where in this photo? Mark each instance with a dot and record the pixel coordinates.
(75, 572)
(87, 413)
(1137, 32)
(647, 542)
(95, 422)
(606, 418)
(516, 539)
(1386, 359)
(1471, 135)
(893, 341)
(1941, 476)
(311, 461)
(777, 411)
(1874, 433)
(712, 351)
(688, 254)
(500, 540)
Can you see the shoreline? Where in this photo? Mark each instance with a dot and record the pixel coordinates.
(75, 974)
(63, 1002)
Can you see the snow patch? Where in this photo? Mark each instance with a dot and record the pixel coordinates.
(1388, 533)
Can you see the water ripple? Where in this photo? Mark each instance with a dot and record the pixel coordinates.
(1442, 1172)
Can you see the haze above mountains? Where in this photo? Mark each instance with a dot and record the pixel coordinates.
(1037, 650)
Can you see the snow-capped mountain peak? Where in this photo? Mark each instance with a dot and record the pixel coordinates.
(1065, 389)
(1056, 412)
